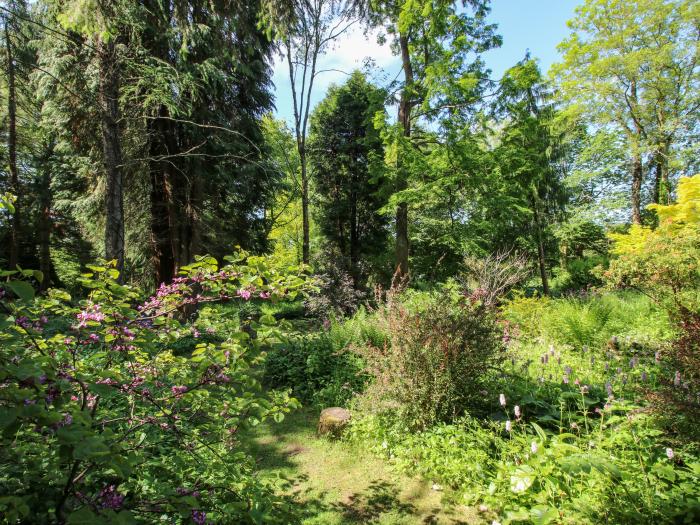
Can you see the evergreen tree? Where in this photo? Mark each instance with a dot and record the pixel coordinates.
(345, 152)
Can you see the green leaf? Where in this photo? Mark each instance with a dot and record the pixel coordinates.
(22, 289)
(268, 320)
(542, 515)
(522, 479)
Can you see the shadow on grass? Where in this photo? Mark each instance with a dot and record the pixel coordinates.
(381, 497)
(331, 483)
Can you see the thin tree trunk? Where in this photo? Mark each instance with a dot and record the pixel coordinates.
(637, 176)
(402, 245)
(662, 191)
(12, 150)
(45, 229)
(111, 146)
(164, 225)
(541, 259)
(306, 244)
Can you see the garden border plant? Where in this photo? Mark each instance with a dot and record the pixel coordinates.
(100, 424)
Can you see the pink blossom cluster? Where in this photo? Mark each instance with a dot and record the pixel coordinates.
(92, 312)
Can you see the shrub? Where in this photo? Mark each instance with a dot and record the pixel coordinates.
(101, 422)
(435, 361)
(322, 368)
(336, 294)
(317, 370)
(665, 265)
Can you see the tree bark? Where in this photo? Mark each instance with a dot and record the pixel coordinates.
(111, 147)
(404, 117)
(637, 176)
(541, 259)
(45, 229)
(662, 191)
(165, 238)
(12, 150)
(306, 244)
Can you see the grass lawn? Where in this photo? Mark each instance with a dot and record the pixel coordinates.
(338, 483)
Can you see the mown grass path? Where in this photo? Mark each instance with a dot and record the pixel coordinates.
(339, 483)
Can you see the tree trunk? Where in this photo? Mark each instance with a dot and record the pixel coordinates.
(111, 147)
(12, 150)
(354, 239)
(45, 229)
(662, 191)
(637, 175)
(541, 259)
(164, 224)
(402, 246)
(306, 245)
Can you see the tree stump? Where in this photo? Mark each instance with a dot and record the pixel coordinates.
(332, 421)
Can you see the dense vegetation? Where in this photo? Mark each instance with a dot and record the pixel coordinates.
(501, 281)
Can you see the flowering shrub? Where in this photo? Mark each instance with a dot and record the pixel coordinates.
(436, 360)
(664, 263)
(567, 441)
(101, 423)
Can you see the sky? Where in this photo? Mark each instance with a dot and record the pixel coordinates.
(534, 25)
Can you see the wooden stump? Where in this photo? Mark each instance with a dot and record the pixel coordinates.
(332, 421)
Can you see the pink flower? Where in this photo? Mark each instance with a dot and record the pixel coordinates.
(178, 390)
(245, 294)
(92, 312)
(264, 295)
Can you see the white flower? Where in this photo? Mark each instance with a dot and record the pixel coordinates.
(533, 447)
(509, 426)
(669, 453)
(517, 410)
(502, 400)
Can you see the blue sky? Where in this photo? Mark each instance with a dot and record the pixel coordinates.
(537, 25)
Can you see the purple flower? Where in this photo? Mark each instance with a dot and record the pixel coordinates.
(92, 312)
(178, 390)
(110, 498)
(199, 517)
(23, 322)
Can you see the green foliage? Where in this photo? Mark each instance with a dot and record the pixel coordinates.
(589, 320)
(345, 154)
(435, 362)
(576, 450)
(664, 263)
(323, 369)
(104, 420)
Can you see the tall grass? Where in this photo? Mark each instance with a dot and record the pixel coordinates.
(590, 321)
